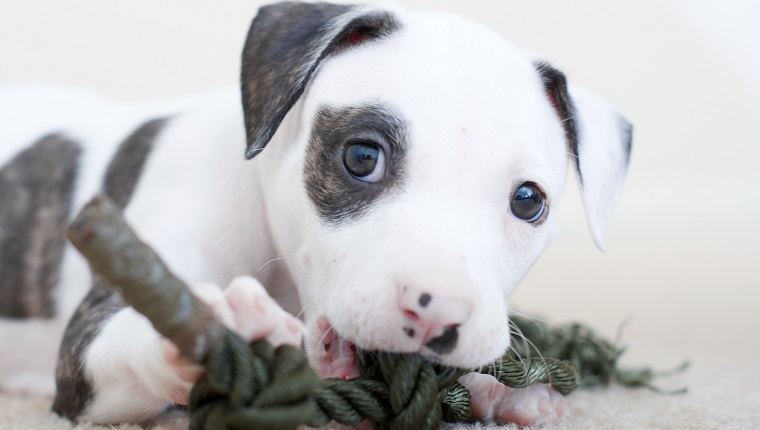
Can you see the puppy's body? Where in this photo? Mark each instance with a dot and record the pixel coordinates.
(388, 205)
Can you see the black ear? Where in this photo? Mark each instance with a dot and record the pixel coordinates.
(285, 45)
(599, 138)
(555, 85)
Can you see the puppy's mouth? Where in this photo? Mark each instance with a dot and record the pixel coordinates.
(336, 357)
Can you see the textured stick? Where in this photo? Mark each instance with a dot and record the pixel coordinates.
(115, 252)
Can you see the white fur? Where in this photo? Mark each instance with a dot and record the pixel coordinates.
(131, 378)
(480, 124)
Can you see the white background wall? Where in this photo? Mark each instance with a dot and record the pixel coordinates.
(684, 244)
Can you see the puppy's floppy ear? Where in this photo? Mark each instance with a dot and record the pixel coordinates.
(285, 45)
(599, 138)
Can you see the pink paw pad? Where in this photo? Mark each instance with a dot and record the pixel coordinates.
(537, 404)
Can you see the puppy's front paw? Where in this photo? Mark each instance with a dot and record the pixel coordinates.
(537, 404)
(247, 309)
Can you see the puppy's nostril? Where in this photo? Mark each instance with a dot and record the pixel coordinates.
(425, 299)
(412, 315)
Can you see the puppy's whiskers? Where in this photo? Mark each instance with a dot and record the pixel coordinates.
(300, 313)
(274, 259)
(528, 345)
(530, 317)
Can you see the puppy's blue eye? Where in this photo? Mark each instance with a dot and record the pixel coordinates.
(366, 161)
(528, 202)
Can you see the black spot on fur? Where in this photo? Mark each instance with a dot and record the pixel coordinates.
(337, 195)
(425, 299)
(36, 189)
(124, 170)
(409, 331)
(285, 45)
(73, 386)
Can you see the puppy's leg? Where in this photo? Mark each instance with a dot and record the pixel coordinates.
(132, 373)
(534, 405)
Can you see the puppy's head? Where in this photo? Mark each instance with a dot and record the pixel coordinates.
(413, 163)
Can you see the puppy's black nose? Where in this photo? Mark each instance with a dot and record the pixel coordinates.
(446, 342)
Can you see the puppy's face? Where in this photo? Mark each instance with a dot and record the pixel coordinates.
(429, 163)
(413, 183)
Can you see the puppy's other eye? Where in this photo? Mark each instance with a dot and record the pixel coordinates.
(365, 160)
(528, 202)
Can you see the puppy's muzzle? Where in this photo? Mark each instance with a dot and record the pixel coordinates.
(433, 312)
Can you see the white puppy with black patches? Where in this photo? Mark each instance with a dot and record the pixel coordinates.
(405, 169)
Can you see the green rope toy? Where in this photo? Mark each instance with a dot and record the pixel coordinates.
(258, 386)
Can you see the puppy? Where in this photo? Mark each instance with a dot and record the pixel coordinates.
(402, 170)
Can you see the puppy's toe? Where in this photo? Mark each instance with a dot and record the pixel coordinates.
(289, 331)
(257, 316)
(186, 373)
(213, 296)
(186, 370)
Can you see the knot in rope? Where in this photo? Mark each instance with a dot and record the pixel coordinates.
(421, 393)
(253, 386)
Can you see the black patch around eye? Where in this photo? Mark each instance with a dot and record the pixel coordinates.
(332, 187)
(527, 202)
(361, 158)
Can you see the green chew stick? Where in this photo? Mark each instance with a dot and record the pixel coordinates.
(115, 252)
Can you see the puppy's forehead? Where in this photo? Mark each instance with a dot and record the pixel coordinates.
(430, 57)
(457, 83)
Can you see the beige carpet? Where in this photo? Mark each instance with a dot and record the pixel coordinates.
(722, 403)
(723, 394)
